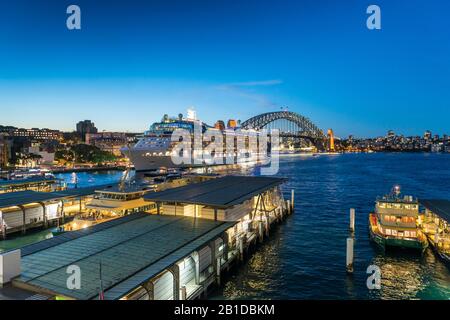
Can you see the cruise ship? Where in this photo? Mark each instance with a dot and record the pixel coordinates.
(155, 150)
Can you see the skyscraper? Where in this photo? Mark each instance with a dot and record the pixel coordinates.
(86, 126)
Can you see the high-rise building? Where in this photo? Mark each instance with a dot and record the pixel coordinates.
(86, 126)
(427, 135)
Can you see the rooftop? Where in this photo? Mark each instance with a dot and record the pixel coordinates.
(131, 250)
(32, 180)
(221, 192)
(12, 199)
(439, 207)
(128, 188)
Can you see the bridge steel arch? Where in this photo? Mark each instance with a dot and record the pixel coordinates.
(309, 129)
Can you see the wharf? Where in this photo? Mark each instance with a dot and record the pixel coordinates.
(200, 231)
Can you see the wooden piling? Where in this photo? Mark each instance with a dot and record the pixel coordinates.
(261, 231)
(288, 206)
(352, 220)
(349, 264)
(292, 200)
(241, 248)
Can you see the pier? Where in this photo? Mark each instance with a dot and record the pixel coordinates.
(435, 225)
(201, 231)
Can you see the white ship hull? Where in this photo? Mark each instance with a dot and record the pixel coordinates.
(143, 161)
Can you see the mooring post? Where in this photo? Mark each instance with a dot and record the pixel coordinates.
(350, 243)
(292, 200)
(352, 220)
(288, 206)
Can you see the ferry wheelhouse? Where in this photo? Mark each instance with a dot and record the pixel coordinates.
(395, 222)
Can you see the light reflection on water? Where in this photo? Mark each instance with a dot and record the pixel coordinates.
(305, 256)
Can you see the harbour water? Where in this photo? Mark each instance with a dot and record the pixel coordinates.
(305, 256)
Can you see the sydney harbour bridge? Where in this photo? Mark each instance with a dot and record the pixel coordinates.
(294, 129)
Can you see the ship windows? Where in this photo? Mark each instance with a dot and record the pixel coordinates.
(408, 220)
(388, 232)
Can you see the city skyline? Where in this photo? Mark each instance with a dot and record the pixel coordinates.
(228, 60)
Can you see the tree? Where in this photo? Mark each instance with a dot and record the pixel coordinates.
(84, 153)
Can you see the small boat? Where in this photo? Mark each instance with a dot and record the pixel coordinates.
(394, 224)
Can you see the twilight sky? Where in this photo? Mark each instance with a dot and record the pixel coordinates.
(135, 60)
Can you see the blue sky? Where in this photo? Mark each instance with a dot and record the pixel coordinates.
(133, 61)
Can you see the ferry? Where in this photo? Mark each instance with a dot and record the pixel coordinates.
(395, 222)
(156, 149)
(109, 204)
